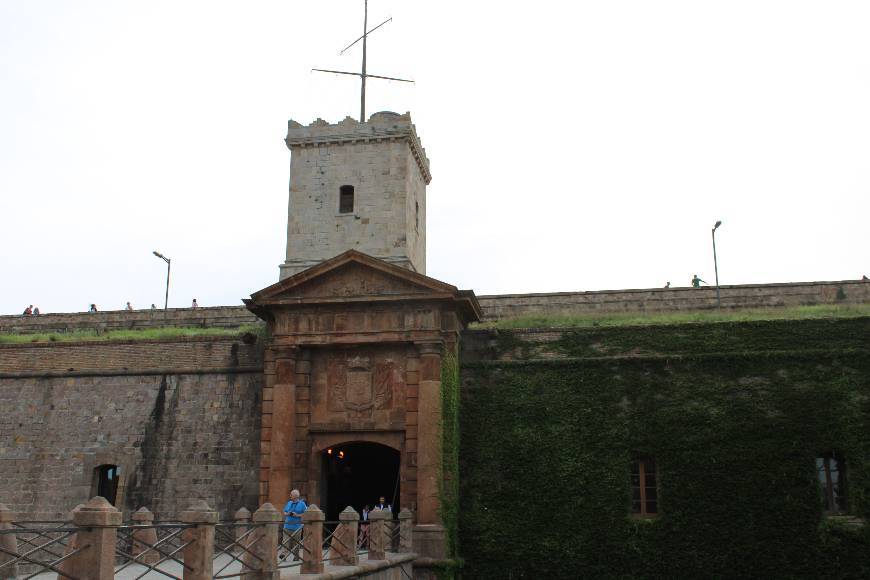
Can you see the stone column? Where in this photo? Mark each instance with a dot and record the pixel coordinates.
(279, 416)
(405, 531)
(142, 539)
(429, 433)
(7, 542)
(199, 552)
(263, 544)
(430, 539)
(378, 534)
(241, 517)
(97, 522)
(344, 540)
(312, 540)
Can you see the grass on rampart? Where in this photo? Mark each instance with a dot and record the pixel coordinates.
(131, 334)
(656, 318)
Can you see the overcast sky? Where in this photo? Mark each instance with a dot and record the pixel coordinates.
(574, 145)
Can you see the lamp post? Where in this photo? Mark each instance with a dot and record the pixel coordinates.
(168, 266)
(716, 264)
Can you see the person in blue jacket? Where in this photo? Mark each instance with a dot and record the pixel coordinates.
(293, 511)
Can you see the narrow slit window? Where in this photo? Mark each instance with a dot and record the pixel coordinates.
(832, 481)
(644, 489)
(107, 482)
(345, 199)
(417, 215)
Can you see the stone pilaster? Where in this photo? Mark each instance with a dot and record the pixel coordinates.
(279, 417)
(429, 449)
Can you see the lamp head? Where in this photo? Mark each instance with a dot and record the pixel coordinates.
(717, 224)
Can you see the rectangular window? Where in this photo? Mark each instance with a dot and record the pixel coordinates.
(832, 481)
(345, 199)
(644, 488)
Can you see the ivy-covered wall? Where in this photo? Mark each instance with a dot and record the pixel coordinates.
(733, 424)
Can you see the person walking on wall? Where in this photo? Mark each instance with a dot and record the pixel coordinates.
(696, 282)
(194, 304)
(28, 311)
(93, 308)
(36, 310)
(129, 307)
(293, 511)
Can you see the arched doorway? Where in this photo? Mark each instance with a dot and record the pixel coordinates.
(356, 474)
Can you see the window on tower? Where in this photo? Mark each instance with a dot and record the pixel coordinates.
(345, 199)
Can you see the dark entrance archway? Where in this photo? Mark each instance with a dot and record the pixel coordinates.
(356, 474)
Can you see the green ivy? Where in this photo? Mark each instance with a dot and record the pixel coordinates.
(547, 446)
(449, 479)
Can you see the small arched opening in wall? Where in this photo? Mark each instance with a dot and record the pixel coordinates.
(357, 474)
(107, 482)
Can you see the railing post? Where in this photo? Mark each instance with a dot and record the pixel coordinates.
(264, 544)
(344, 540)
(72, 545)
(143, 539)
(242, 516)
(97, 536)
(378, 534)
(312, 540)
(405, 531)
(7, 542)
(199, 552)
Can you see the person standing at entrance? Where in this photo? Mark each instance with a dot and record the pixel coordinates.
(383, 505)
(293, 511)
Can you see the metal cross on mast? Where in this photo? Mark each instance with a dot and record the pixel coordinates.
(363, 75)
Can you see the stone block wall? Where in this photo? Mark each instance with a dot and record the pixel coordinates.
(212, 317)
(384, 163)
(180, 418)
(735, 297)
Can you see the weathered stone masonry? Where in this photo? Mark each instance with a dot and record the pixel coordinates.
(181, 420)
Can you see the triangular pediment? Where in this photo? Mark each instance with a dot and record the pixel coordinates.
(352, 275)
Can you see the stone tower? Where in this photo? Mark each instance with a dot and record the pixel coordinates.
(357, 186)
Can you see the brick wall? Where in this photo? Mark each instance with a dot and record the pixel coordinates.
(171, 355)
(180, 417)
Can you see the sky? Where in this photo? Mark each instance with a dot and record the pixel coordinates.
(574, 146)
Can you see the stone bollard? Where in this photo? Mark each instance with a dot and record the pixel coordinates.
(243, 516)
(72, 545)
(8, 543)
(97, 536)
(263, 544)
(144, 539)
(378, 534)
(345, 538)
(406, 532)
(312, 540)
(199, 552)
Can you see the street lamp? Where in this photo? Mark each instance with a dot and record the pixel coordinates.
(715, 263)
(168, 266)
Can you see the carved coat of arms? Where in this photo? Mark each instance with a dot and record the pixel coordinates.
(358, 387)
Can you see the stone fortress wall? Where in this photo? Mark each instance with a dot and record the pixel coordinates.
(495, 307)
(178, 416)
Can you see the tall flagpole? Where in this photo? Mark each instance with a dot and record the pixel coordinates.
(362, 98)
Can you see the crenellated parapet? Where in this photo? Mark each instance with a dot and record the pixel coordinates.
(382, 126)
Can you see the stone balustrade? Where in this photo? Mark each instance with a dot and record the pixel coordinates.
(96, 545)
